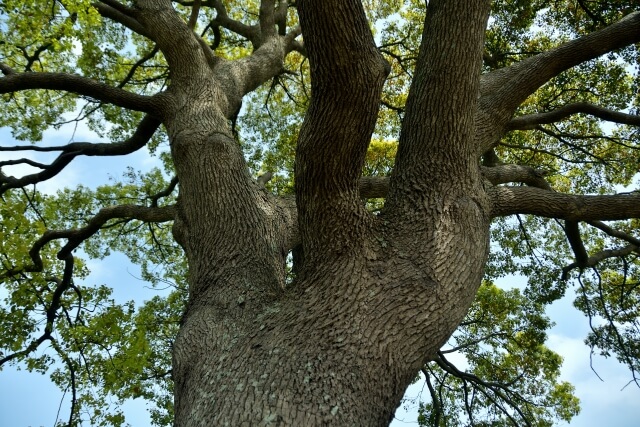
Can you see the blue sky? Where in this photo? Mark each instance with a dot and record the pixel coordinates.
(31, 400)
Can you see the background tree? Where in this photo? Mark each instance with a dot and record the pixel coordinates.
(296, 302)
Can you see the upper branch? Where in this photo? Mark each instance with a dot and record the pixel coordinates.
(505, 89)
(437, 133)
(141, 136)
(550, 204)
(531, 121)
(76, 236)
(222, 18)
(122, 14)
(267, 18)
(14, 82)
(347, 74)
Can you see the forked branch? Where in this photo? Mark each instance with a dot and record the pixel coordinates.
(141, 136)
(505, 89)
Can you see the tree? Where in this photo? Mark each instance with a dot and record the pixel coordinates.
(479, 101)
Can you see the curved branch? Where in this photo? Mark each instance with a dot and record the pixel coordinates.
(121, 14)
(615, 233)
(497, 388)
(78, 235)
(593, 260)
(164, 193)
(531, 121)
(141, 136)
(509, 200)
(503, 90)
(510, 86)
(80, 85)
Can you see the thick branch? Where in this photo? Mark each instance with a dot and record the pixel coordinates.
(267, 18)
(246, 74)
(180, 45)
(437, 136)
(377, 187)
(121, 14)
(531, 121)
(505, 89)
(530, 200)
(80, 85)
(345, 97)
(504, 174)
(141, 136)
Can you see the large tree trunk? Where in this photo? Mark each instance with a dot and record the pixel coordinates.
(375, 298)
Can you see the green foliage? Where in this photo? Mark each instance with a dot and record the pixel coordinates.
(117, 350)
(512, 377)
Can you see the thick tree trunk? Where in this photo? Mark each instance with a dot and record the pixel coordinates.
(375, 298)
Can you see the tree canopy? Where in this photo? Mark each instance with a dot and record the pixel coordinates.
(560, 77)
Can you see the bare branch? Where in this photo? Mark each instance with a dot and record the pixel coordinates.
(531, 121)
(141, 136)
(80, 85)
(509, 200)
